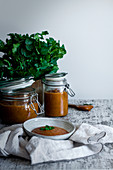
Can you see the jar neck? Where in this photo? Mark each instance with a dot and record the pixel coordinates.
(17, 94)
(7, 97)
(54, 89)
(55, 82)
(60, 89)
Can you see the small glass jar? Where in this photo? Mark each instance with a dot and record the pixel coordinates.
(18, 101)
(56, 95)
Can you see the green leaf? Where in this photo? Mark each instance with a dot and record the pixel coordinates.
(1, 63)
(86, 104)
(28, 41)
(36, 37)
(23, 52)
(54, 52)
(48, 57)
(15, 47)
(32, 71)
(12, 36)
(37, 50)
(1, 45)
(29, 47)
(45, 32)
(54, 61)
(7, 62)
(44, 51)
(36, 65)
(32, 35)
(47, 127)
(51, 41)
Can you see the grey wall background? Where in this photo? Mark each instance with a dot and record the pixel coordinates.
(85, 27)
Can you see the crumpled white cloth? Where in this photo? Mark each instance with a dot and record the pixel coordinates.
(86, 140)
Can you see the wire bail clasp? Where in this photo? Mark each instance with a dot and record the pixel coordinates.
(39, 105)
(70, 91)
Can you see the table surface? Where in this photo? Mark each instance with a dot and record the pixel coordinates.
(100, 114)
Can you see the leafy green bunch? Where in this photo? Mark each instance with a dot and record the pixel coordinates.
(29, 55)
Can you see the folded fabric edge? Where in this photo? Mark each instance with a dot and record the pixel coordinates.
(72, 154)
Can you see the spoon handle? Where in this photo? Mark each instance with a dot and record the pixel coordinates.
(81, 107)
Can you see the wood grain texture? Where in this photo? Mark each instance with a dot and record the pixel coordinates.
(102, 113)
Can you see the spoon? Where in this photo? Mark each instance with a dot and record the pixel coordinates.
(85, 107)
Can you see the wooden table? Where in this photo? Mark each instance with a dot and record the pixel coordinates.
(102, 113)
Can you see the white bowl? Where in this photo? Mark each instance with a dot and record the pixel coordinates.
(31, 124)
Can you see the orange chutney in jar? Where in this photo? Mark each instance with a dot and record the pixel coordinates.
(18, 101)
(16, 112)
(56, 90)
(56, 103)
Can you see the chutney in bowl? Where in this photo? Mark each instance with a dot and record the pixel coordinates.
(39, 122)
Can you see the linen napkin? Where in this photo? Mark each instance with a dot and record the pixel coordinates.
(86, 140)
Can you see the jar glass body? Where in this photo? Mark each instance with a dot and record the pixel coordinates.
(19, 106)
(55, 101)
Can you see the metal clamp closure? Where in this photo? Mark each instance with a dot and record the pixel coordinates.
(69, 90)
(39, 105)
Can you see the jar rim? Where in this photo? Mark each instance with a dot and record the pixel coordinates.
(16, 84)
(55, 76)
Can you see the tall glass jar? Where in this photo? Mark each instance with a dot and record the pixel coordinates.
(56, 95)
(18, 101)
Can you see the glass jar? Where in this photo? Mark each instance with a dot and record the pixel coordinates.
(18, 101)
(56, 90)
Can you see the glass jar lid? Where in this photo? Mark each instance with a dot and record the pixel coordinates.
(56, 79)
(55, 76)
(16, 85)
